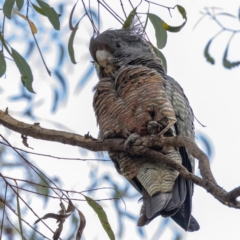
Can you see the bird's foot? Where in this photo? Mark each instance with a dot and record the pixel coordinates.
(154, 128)
(131, 139)
(126, 133)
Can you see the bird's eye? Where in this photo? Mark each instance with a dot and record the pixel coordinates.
(118, 45)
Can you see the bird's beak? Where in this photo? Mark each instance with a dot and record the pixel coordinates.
(103, 58)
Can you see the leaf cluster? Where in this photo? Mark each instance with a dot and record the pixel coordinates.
(43, 9)
(215, 13)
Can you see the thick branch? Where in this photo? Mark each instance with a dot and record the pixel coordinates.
(35, 131)
(142, 146)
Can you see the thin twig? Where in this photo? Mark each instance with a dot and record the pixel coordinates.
(26, 223)
(113, 11)
(55, 157)
(62, 198)
(2, 50)
(119, 20)
(26, 204)
(8, 58)
(219, 23)
(36, 170)
(98, 17)
(63, 190)
(40, 52)
(143, 27)
(5, 197)
(123, 9)
(92, 22)
(160, 5)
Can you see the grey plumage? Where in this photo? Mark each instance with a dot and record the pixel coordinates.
(134, 95)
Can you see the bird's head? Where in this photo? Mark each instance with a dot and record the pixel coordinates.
(115, 48)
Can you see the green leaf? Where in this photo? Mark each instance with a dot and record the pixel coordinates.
(39, 10)
(2, 64)
(70, 44)
(226, 63)
(177, 28)
(19, 217)
(206, 53)
(128, 22)
(160, 32)
(102, 216)
(81, 225)
(20, 4)
(4, 43)
(182, 11)
(173, 29)
(7, 8)
(50, 13)
(162, 57)
(25, 70)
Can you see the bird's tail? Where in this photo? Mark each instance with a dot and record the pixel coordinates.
(176, 204)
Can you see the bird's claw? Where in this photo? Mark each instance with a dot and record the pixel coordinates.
(154, 128)
(131, 139)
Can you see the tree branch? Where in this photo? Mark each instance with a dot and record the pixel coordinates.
(142, 146)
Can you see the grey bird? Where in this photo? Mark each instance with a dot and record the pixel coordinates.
(134, 96)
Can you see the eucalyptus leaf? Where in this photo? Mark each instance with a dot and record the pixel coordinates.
(81, 225)
(50, 13)
(173, 28)
(19, 216)
(225, 14)
(25, 70)
(20, 4)
(160, 32)
(102, 216)
(7, 8)
(58, 217)
(70, 44)
(31, 24)
(176, 28)
(182, 11)
(226, 63)
(206, 53)
(2, 64)
(39, 10)
(128, 22)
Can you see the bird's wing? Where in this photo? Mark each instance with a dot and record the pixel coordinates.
(184, 127)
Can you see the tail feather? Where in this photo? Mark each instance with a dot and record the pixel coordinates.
(178, 197)
(176, 205)
(153, 205)
(179, 218)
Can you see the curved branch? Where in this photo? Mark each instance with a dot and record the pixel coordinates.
(142, 146)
